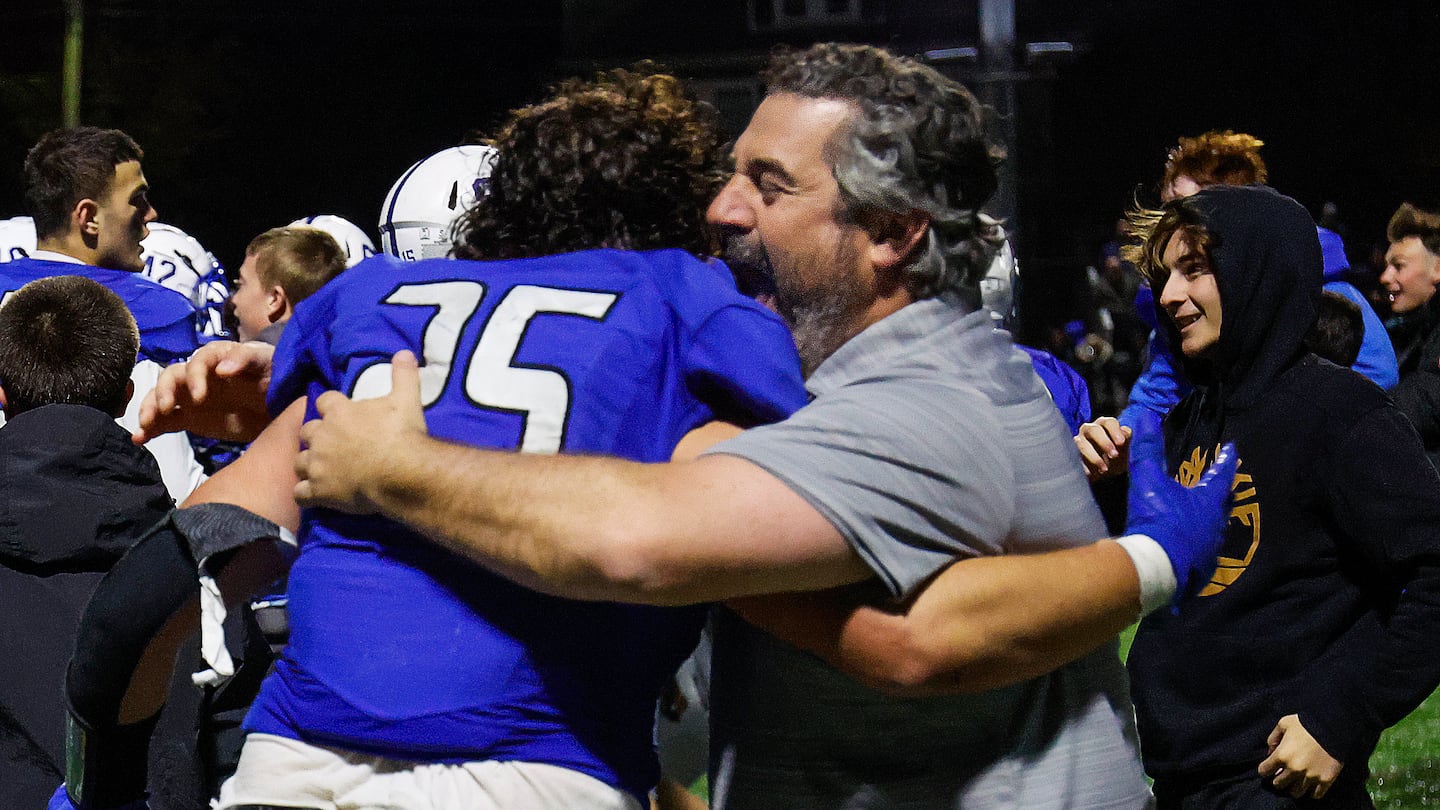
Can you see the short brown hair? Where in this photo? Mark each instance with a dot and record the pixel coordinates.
(299, 259)
(66, 340)
(1151, 231)
(1217, 158)
(68, 165)
(1411, 221)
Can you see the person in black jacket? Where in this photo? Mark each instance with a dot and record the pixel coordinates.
(1412, 271)
(1269, 687)
(77, 493)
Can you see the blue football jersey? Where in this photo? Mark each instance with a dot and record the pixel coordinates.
(401, 649)
(165, 317)
(1067, 388)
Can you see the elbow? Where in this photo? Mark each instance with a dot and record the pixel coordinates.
(937, 664)
(906, 675)
(632, 565)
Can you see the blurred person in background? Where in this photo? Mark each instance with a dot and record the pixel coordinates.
(1412, 271)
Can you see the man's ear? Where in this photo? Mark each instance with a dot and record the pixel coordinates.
(4, 402)
(894, 237)
(125, 403)
(277, 304)
(85, 219)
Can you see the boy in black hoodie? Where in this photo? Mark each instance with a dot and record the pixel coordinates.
(1270, 686)
(77, 492)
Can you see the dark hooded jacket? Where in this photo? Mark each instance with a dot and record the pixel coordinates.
(77, 494)
(1418, 394)
(1326, 603)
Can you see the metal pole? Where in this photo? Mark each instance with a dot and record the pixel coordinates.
(997, 88)
(74, 44)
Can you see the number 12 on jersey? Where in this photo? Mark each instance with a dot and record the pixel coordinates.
(491, 378)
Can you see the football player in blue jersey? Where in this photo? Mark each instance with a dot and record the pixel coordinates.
(418, 677)
(90, 202)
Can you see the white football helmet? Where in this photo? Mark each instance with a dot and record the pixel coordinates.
(355, 242)
(17, 238)
(176, 260)
(416, 220)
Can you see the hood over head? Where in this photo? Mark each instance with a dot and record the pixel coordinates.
(1332, 249)
(1267, 264)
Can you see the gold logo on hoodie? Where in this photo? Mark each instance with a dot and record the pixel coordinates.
(1246, 510)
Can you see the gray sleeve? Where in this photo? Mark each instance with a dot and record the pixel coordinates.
(912, 476)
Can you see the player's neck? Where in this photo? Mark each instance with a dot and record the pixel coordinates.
(69, 244)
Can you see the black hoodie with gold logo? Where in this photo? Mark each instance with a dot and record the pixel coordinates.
(1326, 602)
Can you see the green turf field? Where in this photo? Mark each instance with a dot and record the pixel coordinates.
(1405, 771)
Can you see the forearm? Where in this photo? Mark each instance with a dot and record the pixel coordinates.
(1385, 499)
(982, 623)
(262, 480)
(605, 529)
(1375, 674)
(492, 507)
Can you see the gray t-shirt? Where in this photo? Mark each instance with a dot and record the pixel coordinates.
(930, 438)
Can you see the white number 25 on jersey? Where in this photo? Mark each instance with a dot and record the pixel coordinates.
(543, 395)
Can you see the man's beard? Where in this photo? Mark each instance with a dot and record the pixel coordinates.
(822, 315)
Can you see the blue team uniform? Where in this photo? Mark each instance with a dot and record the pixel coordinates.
(1067, 388)
(165, 317)
(400, 649)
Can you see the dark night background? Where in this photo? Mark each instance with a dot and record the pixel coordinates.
(255, 113)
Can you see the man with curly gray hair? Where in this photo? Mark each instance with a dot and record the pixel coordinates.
(910, 168)
(928, 439)
(857, 187)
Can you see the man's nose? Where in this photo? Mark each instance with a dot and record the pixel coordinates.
(731, 208)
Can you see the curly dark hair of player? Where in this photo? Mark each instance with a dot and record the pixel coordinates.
(627, 160)
(919, 142)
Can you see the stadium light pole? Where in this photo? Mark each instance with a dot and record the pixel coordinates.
(74, 44)
(997, 89)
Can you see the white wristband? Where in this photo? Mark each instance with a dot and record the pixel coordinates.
(1152, 565)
